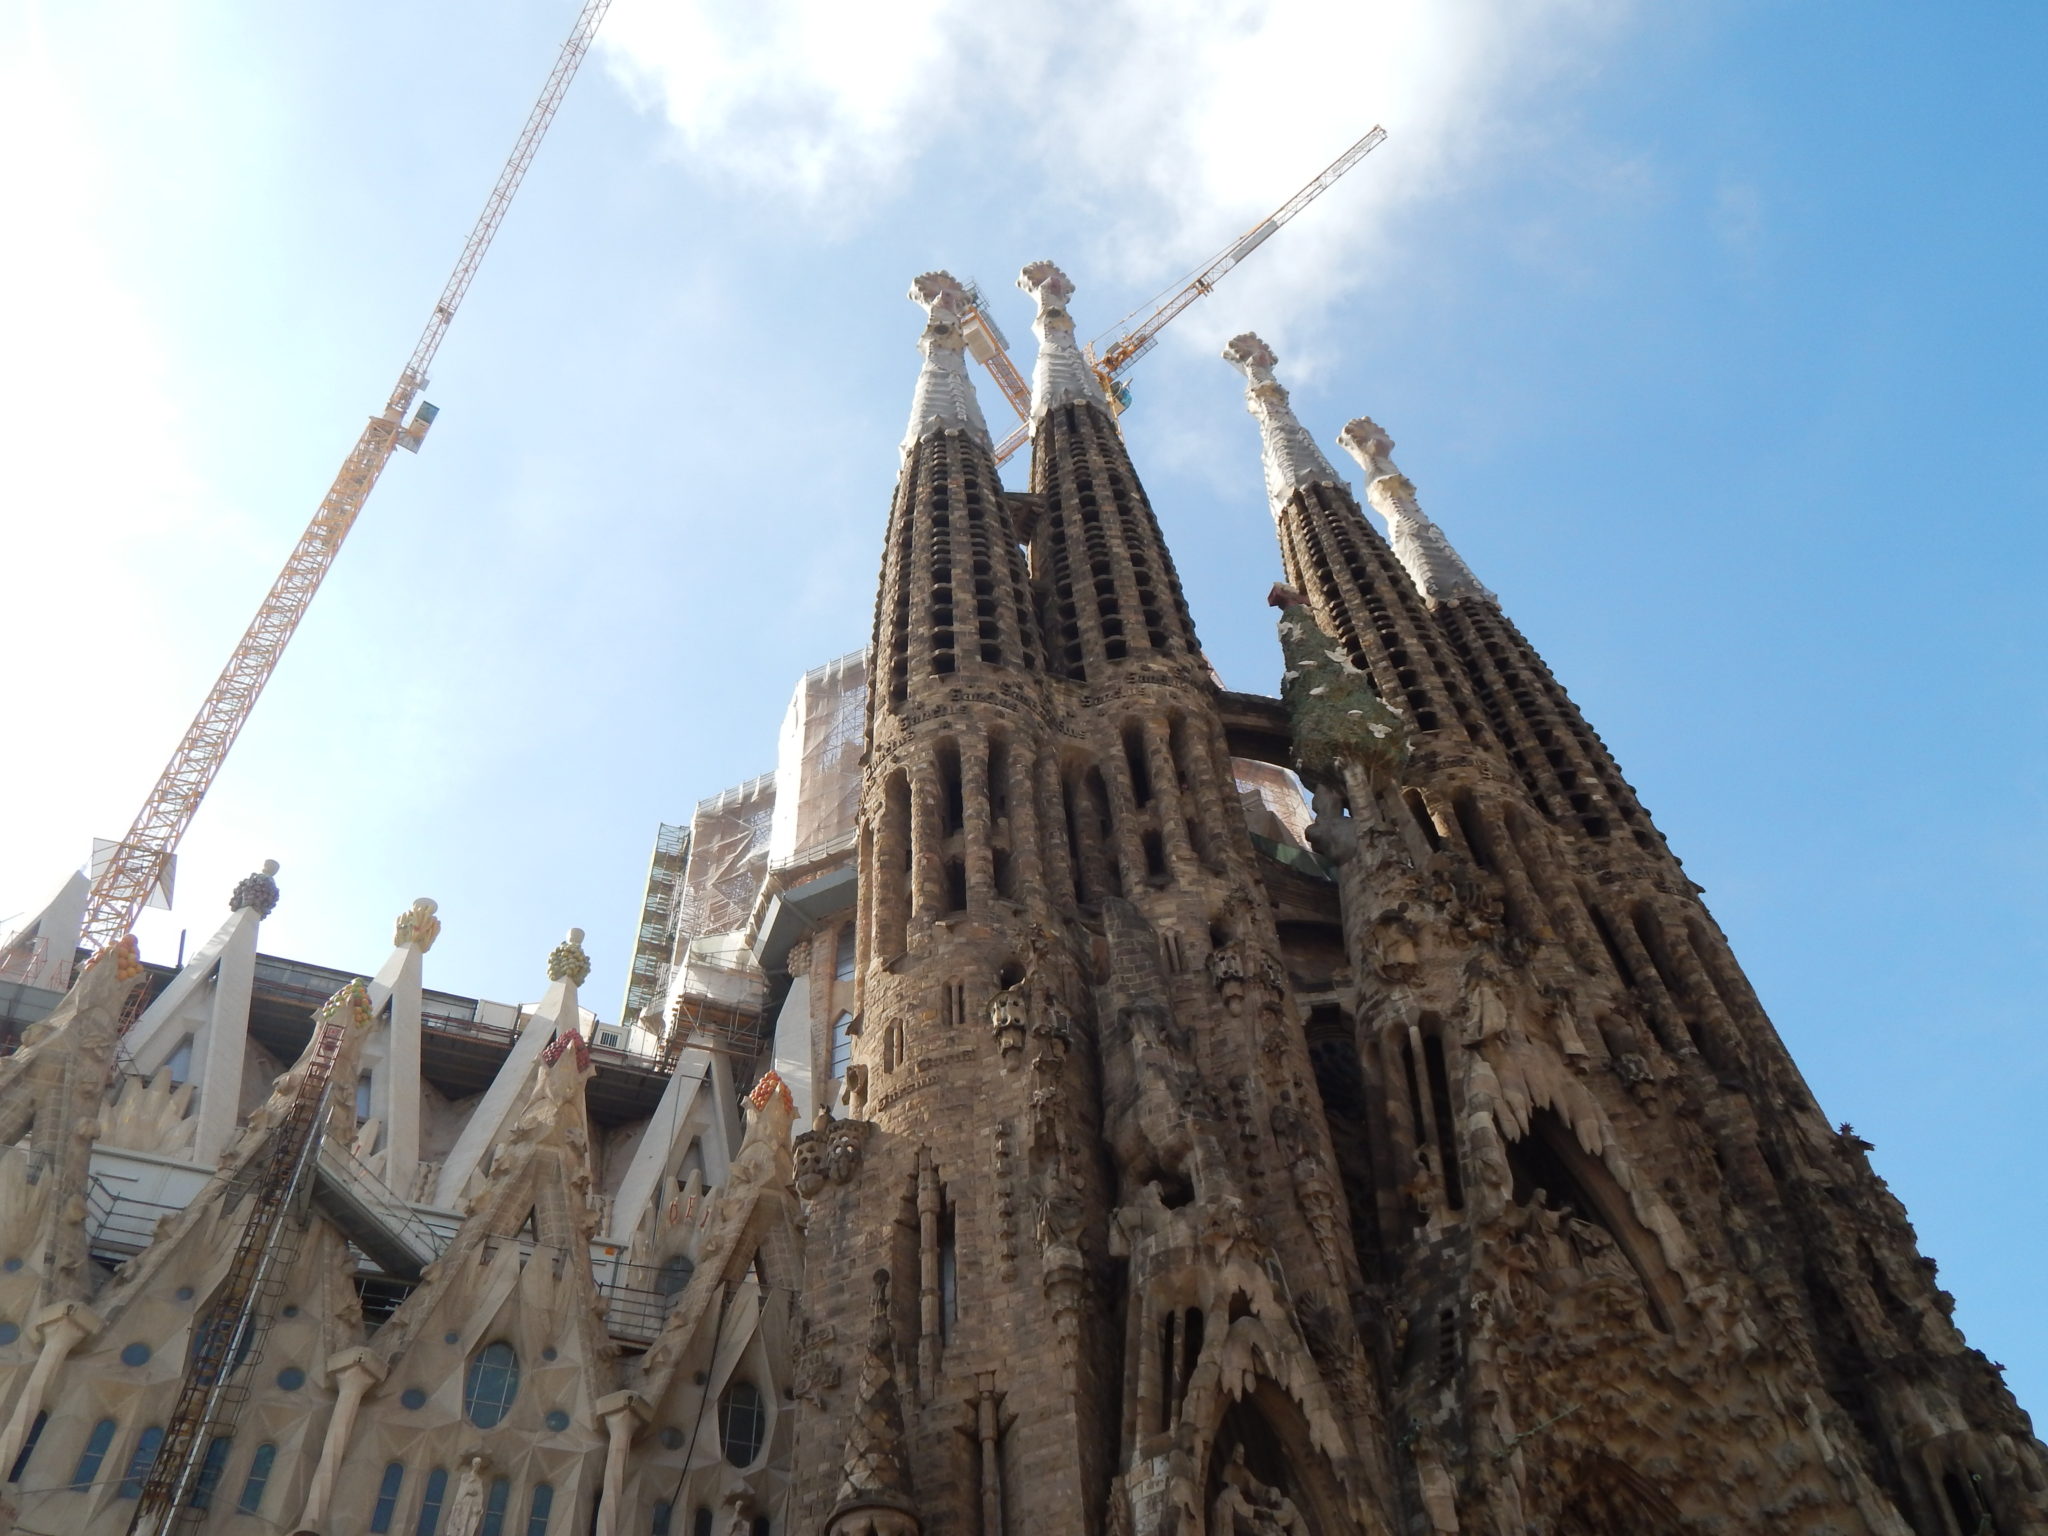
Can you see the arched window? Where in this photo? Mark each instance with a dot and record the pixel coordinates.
(431, 1501)
(490, 1384)
(28, 1448)
(494, 1507)
(363, 1085)
(843, 953)
(700, 1523)
(842, 1045)
(742, 1423)
(96, 1444)
(257, 1480)
(140, 1461)
(663, 1513)
(538, 1511)
(675, 1275)
(387, 1497)
(210, 1470)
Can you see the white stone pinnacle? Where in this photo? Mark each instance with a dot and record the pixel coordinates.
(1061, 375)
(1290, 455)
(944, 401)
(1436, 569)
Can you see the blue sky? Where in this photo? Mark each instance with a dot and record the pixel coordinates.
(1711, 334)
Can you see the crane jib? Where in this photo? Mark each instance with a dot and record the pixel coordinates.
(136, 862)
(1135, 334)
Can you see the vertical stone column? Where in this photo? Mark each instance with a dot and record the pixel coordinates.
(622, 1414)
(61, 1328)
(354, 1372)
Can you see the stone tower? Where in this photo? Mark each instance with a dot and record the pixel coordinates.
(1123, 1282)
(1450, 1181)
(1634, 1280)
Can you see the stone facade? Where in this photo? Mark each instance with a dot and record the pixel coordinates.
(1136, 1160)
(565, 1324)
(1466, 1188)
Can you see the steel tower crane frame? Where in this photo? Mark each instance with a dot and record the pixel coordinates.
(1137, 333)
(138, 863)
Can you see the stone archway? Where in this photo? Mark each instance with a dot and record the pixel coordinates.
(1262, 1475)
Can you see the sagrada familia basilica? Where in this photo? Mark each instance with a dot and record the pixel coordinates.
(1030, 1116)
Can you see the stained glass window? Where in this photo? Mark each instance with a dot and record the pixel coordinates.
(742, 1423)
(95, 1452)
(387, 1497)
(258, 1479)
(491, 1384)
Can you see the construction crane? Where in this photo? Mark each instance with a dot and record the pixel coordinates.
(136, 866)
(1138, 332)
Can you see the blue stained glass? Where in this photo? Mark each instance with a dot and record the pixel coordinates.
(210, 1469)
(557, 1420)
(95, 1452)
(430, 1502)
(664, 1512)
(538, 1511)
(387, 1497)
(143, 1458)
(258, 1479)
(494, 1507)
(412, 1397)
(135, 1354)
(291, 1378)
(491, 1384)
(9, 1332)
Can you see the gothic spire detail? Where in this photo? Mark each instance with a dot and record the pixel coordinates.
(1061, 375)
(1291, 456)
(1436, 569)
(944, 401)
(874, 1493)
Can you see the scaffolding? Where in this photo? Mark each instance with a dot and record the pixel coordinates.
(655, 940)
(714, 991)
(817, 766)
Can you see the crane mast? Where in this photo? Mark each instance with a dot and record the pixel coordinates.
(1137, 332)
(135, 865)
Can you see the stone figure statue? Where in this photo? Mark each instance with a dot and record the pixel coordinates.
(466, 1509)
(1249, 1507)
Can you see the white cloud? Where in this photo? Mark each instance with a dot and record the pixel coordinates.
(101, 500)
(1165, 125)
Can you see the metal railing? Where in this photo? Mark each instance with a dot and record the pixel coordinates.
(119, 1226)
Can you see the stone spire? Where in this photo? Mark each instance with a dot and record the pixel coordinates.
(1062, 374)
(1436, 569)
(944, 401)
(1291, 456)
(874, 1494)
